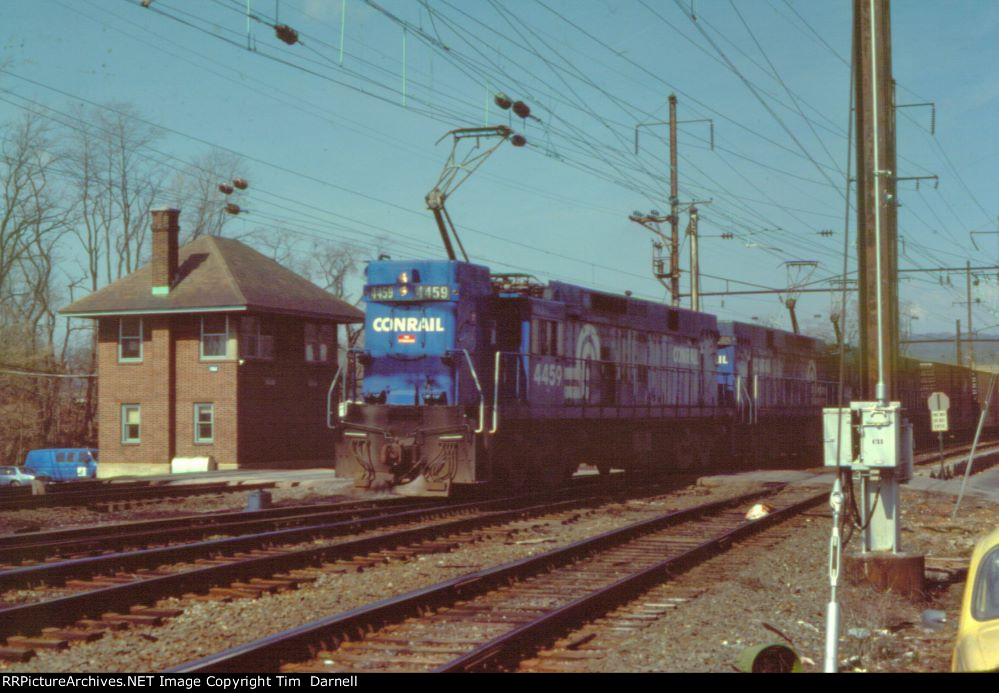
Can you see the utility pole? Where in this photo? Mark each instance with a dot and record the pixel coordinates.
(971, 336)
(877, 230)
(674, 200)
(957, 344)
(695, 272)
(674, 203)
(875, 427)
(993, 233)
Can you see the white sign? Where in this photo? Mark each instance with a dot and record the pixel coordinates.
(938, 421)
(407, 325)
(938, 401)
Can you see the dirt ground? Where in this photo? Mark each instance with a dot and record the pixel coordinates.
(778, 591)
(771, 590)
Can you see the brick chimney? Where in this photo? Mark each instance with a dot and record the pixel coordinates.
(166, 231)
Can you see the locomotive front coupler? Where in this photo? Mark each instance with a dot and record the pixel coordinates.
(400, 453)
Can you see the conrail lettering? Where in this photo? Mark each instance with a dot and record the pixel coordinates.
(407, 325)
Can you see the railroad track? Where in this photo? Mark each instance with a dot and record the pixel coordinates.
(108, 495)
(37, 547)
(493, 618)
(94, 591)
(986, 456)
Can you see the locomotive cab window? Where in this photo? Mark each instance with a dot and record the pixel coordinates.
(546, 337)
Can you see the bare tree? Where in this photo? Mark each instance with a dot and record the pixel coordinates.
(32, 223)
(196, 190)
(25, 212)
(326, 264)
(116, 183)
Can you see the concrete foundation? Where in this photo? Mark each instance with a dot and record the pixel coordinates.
(901, 573)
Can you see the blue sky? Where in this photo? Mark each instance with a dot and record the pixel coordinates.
(343, 147)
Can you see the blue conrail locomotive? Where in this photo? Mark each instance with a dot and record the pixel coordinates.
(468, 378)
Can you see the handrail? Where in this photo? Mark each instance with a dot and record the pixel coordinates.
(329, 400)
(496, 388)
(482, 397)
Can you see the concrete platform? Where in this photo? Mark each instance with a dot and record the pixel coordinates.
(981, 485)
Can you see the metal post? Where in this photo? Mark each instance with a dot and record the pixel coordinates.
(674, 200)
(974, 446)
(832, 609)
(958, 356)
(971, 336)
(695, 272)
(877, 236)
(940, 438)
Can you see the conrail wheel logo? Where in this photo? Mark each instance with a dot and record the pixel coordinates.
(577, 378)
(407, 325)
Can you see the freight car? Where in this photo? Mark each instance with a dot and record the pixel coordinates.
(471, 378)
(916, 380)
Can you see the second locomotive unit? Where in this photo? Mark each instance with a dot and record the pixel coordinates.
(471, 378)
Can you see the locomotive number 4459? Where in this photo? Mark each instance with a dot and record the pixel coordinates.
(548, 374)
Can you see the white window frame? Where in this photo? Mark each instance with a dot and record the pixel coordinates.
(198, 439)
(201, 342)
(317, 350)
(122, 337)
(125, 439)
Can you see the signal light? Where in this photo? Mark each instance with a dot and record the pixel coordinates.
(502, 100)
(225, 188)
(521, 109)
(232, 208)
(286, 34)
(518, 140)
(240, 183)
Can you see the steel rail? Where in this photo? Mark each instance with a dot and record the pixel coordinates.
(267, 654)
(515, 644)
(92, 532)
(187, 530)
(66, 610)
(108, 494)
(60, 571)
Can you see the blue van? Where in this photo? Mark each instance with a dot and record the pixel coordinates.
(62, 464)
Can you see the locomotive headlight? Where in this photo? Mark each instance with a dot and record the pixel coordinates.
(403, 278)
(403, 290)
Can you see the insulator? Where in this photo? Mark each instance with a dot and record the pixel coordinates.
(521, 109)
(232, 208)
(503, 101)
(240, 183)
(225, 188)
(518, 140)
(286, 34)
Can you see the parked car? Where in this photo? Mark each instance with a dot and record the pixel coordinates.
(977, 646)
(15, 476)
(62, 464)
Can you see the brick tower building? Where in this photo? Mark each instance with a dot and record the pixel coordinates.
(212, 350)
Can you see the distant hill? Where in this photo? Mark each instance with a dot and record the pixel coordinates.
(986, 353)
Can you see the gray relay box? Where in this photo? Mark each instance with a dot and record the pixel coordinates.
(867, 435)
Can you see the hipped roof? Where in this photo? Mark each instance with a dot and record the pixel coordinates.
(217, 274)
